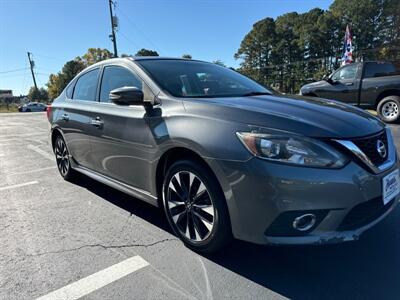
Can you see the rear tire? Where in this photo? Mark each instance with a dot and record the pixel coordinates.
(389, 109)
(196, 207)
(63, 159)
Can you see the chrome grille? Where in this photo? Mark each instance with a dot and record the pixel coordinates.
(368, 145)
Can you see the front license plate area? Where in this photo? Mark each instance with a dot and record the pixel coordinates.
(390, 186)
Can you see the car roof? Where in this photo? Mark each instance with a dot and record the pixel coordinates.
(138, 58)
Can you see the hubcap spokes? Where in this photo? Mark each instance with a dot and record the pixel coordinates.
(62, 157)
(190, 206)
(390, 110)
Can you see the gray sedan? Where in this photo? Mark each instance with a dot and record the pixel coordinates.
(32, 107)
(223, 156)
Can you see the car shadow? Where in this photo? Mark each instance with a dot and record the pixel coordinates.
(366, 269)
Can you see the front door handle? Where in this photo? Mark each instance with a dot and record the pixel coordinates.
(97, 122)
(65, 117)
(349, 83)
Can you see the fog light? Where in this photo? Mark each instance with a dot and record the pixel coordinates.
(304, 222)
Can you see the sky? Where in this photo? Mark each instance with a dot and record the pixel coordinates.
(56, 31)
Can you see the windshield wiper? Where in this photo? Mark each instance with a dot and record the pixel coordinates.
(255, 94)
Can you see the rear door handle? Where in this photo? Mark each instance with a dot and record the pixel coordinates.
(349, 83)
(65, 117)
(97, 122)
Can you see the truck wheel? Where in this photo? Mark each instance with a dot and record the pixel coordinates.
(389, 109)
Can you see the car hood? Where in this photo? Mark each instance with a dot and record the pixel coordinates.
(309, 116)
(310, 87)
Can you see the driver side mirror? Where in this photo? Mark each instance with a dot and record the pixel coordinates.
(127, 95)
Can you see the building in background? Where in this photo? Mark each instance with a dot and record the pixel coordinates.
(5, 94)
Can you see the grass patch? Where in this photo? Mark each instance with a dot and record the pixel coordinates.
(11, 108)
(372, 112)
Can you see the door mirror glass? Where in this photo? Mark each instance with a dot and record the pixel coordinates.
(127, 95)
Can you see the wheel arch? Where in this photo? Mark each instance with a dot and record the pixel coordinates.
(168, 158)
(387, 93)
(181, 153)
(54, 133)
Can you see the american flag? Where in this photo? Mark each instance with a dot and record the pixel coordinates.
(347, 48)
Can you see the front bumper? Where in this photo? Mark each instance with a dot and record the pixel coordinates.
(260, 192)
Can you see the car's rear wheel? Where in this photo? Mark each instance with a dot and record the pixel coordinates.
(389, 109)
(63, 158)
(195, 207)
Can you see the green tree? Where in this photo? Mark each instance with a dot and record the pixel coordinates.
(54, 86)
(57, 82)
(219, 62)
(255, 50)
(287, 51)
(186, 56)
(94, 55)
(146, 52)
(38, 94)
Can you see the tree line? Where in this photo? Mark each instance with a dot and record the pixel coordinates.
(295, 48)
(290, 50)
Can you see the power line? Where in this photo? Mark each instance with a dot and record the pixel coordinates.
(137, 28)
(129, 40)
(49, 57)
(12, 71)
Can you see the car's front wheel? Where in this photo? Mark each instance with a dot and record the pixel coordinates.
(389, 109)
(195, 207)
(63, 158)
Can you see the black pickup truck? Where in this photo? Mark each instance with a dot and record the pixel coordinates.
(374, 85)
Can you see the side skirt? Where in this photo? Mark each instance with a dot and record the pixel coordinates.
(125, 188)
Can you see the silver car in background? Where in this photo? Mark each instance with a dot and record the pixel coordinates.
(224, 156)
(32, 107)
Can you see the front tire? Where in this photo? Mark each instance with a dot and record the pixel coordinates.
(389, 109)
(196, 207)
(63, 159)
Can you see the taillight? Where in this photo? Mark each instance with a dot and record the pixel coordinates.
(48, 112)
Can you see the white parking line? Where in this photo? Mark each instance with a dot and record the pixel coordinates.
(32, 171)
(41, 152)
(17, 185)
(97, 280)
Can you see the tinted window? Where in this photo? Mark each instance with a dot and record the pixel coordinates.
(183, 78)
(380, 70)
(69, 90)
(86, 86)
(116, 77)
(346, 73)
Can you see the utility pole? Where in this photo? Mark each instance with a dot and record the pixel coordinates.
(114, 24)
(32, 64)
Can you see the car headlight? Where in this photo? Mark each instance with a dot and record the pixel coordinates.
(292, 149)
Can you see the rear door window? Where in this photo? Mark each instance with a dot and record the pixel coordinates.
(86, 86)
(378, 69)
(70, 90)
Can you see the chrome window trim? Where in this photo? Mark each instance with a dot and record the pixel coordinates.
(392, 154)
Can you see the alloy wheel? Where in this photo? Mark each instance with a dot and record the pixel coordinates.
(190, 206)
(62, 158)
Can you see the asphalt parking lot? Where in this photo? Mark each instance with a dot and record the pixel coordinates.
(61, 239)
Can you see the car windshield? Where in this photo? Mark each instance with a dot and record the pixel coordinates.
(193, 79)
